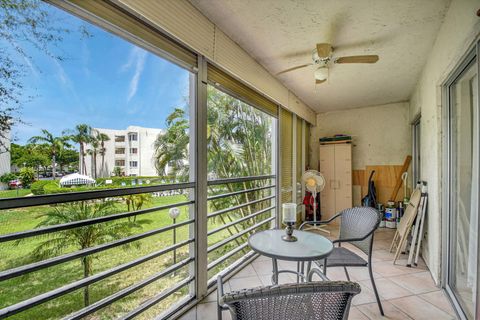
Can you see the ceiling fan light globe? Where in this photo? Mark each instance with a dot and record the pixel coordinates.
(315, 57)
(321, 73)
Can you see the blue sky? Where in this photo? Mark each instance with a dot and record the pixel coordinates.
(105, 82)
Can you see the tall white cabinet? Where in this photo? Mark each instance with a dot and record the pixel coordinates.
(336, 167)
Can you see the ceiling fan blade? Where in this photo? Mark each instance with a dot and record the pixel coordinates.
(358, 59)
(295, 68)
(324, 50)
(319, 81)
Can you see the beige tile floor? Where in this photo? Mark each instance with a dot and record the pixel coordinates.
(406, 293)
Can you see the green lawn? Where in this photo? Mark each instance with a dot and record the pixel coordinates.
(14, 193)
(15, 254)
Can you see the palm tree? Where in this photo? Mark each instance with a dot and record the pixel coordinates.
(135, 202)
(82, 135)
(102, 138)
(239, 145)
(84, 237)
(171, 147)
(55, 145)
(93, 151)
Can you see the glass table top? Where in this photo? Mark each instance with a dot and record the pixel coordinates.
(309, 246)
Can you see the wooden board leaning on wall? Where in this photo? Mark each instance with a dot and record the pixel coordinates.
(385, 179)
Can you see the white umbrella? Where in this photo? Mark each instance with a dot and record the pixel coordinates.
(76, 179)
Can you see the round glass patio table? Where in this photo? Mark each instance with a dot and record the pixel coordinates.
(308, 247)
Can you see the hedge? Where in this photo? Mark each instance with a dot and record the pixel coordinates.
(117, 181)
(53, 186)
(38, 186)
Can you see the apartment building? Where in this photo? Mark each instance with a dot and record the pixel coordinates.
(132, 150)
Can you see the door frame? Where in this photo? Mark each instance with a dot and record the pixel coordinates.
(472, 56)
(416, 149)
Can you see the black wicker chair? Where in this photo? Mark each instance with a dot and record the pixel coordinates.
(357, 227)
(324, 300)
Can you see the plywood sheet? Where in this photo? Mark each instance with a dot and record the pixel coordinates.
(385, 178)
(358, 178)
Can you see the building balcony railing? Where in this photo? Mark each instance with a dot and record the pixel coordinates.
(154, 261)
(248, 206)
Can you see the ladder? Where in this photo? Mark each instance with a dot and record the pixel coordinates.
(418, 228)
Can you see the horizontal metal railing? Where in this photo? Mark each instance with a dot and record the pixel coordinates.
(99, 194)
(240, 179)
(156, 299)
(131, 289)
(42, 298)
(250, 216)
(39, 200)
(225, 195)
(233, 267)
(86, 222)
(243, 205)
(83, 196)
(19, 271)
(238, 235)
(235, 234)
(231, 253)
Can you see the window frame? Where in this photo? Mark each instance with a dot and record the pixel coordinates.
(198, 161)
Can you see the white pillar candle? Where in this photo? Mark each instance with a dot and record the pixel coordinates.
(289, 212)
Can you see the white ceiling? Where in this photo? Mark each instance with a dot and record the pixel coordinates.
(281, 34)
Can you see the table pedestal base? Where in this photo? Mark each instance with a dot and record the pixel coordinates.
(300, 273)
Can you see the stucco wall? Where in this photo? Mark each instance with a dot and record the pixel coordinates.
(381, 134)
(456, 35)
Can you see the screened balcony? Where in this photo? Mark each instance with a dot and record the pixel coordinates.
(140, 254)
(188, 117)
(145, 240)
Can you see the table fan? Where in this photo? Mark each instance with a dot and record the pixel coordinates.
(314, 182)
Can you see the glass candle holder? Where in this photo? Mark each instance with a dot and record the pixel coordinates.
(289, 212)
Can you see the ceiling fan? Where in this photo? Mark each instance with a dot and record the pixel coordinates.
(323, 55)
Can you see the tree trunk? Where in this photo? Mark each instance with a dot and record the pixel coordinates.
(102, 170)
(82, 164)
(91, 165)
(95, 165)
(53, 165)
(87, 271)
(80, 161)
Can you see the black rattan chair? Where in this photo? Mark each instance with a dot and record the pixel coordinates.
(357, 227)
(324, 300)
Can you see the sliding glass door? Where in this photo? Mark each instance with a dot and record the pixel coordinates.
(463, 188)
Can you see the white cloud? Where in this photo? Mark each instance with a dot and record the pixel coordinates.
(31, 66)
(65, 81)
(136, 59)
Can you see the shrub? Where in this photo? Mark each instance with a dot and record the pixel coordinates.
(117, 171)
(7, 177)
(27, 176)
(117, 181)
(52, 187)
(37, 186)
